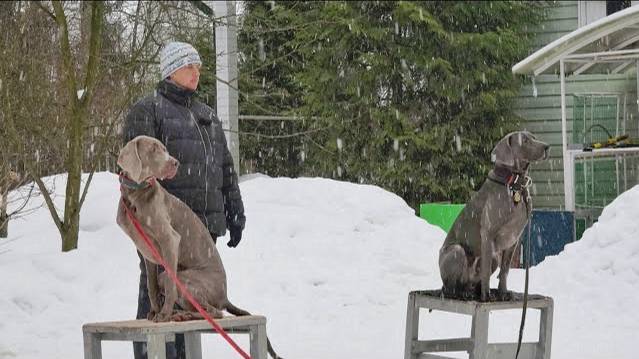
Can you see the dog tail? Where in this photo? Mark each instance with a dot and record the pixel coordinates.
(240, 313)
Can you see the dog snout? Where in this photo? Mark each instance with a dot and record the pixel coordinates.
(174, 162)
(546, 151)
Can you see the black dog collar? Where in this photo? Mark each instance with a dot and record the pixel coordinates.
(131, 184)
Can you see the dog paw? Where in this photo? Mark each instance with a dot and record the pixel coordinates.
(162, 317)
(182, 316)
(151, 315)
(504, 296)
(215, 313)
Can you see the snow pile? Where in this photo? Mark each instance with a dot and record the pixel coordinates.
(329, 263)
(595, 284)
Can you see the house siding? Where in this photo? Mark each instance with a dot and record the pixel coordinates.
(542, 113)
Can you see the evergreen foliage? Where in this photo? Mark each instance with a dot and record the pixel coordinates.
(409, 96)
(202, 41)
(269, 62)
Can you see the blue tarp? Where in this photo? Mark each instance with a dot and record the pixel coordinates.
(551, 231)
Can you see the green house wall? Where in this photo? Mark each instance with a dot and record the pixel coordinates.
(540, 106)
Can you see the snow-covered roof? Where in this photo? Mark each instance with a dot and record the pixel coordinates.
(608, 45)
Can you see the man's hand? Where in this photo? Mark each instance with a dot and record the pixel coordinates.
(236, 237)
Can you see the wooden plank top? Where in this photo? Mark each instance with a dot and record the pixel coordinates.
(434, 299)
(144, 326)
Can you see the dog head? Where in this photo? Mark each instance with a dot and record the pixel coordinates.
(145, 157)
(518, 149)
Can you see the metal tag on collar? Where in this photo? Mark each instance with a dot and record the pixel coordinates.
(517, 196)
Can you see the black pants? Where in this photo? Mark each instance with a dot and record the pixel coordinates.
(174, 350)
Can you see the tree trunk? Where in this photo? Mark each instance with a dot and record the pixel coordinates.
(8, 181)
(4, 228)
(4, 220)
(74, 183)
(70, 235)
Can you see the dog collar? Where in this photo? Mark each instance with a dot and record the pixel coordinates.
(131, 184)
(516, 183)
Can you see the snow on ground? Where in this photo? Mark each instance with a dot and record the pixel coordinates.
(329, 263)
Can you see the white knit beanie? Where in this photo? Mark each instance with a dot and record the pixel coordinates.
(175, 55)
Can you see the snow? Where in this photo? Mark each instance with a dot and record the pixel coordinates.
(329, 263)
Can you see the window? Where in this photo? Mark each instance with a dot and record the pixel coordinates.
(591, 11)
(616, 5)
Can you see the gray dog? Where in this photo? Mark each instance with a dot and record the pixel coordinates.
(487, 231)
(178, 234)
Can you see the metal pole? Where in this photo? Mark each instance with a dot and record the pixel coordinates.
(637, 79)
(227, 73)
(569, 198)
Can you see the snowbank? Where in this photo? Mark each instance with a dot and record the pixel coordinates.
(329, 263)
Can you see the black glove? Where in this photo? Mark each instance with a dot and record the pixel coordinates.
(236, 236)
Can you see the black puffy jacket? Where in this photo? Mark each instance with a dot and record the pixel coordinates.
(206, 180)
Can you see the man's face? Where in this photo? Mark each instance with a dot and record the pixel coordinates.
(187, 76)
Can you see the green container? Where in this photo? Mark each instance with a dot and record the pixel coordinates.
(442, 215)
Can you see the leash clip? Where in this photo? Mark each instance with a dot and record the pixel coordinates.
(515, 180)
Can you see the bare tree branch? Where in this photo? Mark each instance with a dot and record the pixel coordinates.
(94, 51)
(67, 63)
(46, 10)
(290, 135)
(13, 137)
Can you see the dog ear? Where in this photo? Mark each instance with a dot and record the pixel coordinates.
(502, 154)
(129, 160)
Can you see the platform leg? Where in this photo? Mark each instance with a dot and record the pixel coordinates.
(156, 346)
(545, 332)
(412, 327)
(258, 341)
(193, 345)
(479, 334)
(92, 346)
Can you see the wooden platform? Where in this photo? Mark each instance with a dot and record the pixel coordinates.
(156, 335)
(476, 345)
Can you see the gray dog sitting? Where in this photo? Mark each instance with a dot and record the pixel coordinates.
(487, 231)
(178, 234)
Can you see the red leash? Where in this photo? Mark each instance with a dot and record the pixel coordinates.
(181, 286)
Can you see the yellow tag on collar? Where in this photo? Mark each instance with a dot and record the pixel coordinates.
(517, 197)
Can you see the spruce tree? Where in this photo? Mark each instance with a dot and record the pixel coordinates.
(410, 96)
(269, 62)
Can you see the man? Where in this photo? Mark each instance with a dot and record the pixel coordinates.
(206, 180)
